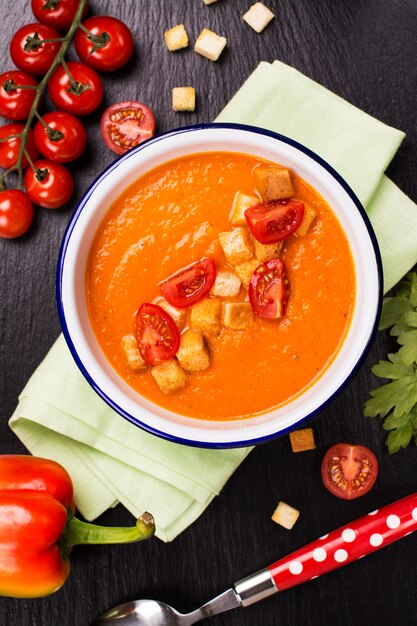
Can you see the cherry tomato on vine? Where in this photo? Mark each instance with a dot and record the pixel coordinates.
(79, 97)
(268, 292)
(16, 213)
(29, 53)
(15, 104)
(349, 472)
(64, 138)
(56, 13)
(9, 149)
(157, 334)
(109, 45)
(50, 186)
(191, 284)
(274, 221)
(126, 124)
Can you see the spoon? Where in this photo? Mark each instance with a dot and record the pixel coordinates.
(342, 546)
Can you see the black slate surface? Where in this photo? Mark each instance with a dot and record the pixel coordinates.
(366, 53)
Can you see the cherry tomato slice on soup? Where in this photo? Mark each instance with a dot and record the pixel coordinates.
(349, 472)
(157, 334)
(268, 292)
(274, 221)
(126, 124)
(191, 284)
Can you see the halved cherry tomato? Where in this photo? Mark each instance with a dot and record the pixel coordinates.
(51, 186)
(15, 104)
(126, 124)
(16, 213)
(274, 221)
(29, 53)
(9, 148)
(109, 45)
(268, 289)
(191, 284)
(157, 334)
(82, 96)
(348, 471)
(64, 138)
(56, 13)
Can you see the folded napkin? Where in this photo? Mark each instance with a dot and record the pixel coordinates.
(59, 416)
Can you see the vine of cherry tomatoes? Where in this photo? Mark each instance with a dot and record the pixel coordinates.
(103, 44)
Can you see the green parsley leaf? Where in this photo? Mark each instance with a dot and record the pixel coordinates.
(400, 438)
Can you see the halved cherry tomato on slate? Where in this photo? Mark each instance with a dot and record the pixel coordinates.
(274, 221)
(349, 472)
(51, 186)
(268, 292)
(109, 45)
(29, 53)
(157, 334)
(15, 103)
(9, 148)
(82, 96)
(16, 213)
(56, 13)
(191, 284)
(64, 138)
(126, 124)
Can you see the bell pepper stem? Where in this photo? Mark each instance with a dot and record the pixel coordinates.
(78, 532)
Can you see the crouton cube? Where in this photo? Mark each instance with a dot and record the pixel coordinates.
(131, 350)
(176, 38)
(302, 440)
(209, 44)
(266, 252)
(178, 315)
(237, 245)
(237, 315)
(245, 270)
(206, 316)
(285, 515)
(241, 202)
(226, 285)
(183, 99)
(258, 17)
(209, 1)
(169, 376)
(273, 183)
(309, 216)
(192, 353)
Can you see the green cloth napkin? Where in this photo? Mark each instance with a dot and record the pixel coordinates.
(112, 461)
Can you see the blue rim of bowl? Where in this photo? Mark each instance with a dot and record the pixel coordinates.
(60, 266)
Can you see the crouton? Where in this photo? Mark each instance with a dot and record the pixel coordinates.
(237, 315)
(169, 376)
(309, 216)
(192, 354)
(258, 17)
(178, 315)
(176, 38)
(131, 350)
(237, 245)
(266, 252)
(209, 1)
(206, 316)
(183, 99)
(226, 285)
(209, 44)
(285, 515)
(245, 270)
(302, 440)
(273, 183)
(241, 202)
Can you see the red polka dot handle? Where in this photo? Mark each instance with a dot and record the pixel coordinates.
(347, 544)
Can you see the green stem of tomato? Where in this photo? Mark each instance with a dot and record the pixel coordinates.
(58, 60)
(17, 136)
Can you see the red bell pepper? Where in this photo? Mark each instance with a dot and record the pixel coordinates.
(38, 527)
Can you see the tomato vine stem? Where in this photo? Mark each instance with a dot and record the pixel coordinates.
(40, 88)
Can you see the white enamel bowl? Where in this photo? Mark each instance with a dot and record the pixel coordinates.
(71, 294)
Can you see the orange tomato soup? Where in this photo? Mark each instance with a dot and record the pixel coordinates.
(171, 217)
